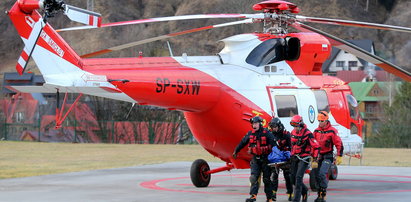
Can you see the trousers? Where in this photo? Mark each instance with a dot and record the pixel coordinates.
(298, 168)
(286, 168)
(257, 166)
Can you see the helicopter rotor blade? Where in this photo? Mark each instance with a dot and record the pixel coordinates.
(91, 19)
(166, 36)
(352, 23)
(164, 19)
(357, 51)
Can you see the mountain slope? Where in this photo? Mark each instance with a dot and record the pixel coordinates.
(390, 45)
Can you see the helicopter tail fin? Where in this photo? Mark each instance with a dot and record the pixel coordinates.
(50, 52)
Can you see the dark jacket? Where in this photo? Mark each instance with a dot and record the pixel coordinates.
(258, 134)
(283, 139)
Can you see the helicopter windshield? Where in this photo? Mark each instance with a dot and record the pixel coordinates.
(352, 104)
(268, 52)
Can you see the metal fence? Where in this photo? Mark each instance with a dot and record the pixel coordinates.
(24, 118)
(126, 132)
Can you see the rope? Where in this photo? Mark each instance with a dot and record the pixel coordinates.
(304, 159)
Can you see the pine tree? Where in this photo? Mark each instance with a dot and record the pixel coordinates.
(395, 130)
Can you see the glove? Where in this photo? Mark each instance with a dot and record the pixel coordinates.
(339, 160)
(234, 155)
(314, 164)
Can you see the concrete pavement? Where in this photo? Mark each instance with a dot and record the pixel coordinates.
(171, 182)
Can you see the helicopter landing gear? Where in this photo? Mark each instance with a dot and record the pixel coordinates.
(200, 172)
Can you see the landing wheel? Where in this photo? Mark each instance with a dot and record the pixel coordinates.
(333, 172)
(198, 173)
(313, 179)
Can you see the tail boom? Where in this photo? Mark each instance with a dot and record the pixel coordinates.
(38, 38)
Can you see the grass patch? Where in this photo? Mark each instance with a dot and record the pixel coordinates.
(383, 157)
(22, 159)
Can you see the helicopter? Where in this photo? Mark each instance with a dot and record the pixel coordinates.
(272, 73)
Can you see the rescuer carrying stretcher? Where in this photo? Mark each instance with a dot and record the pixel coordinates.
(327, 138)
(303, 148)
(281, 153)
(260, 142)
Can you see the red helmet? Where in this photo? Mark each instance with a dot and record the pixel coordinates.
(297, 121)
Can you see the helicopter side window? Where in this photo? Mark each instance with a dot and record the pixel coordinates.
(286, 105)
(267, 52)
(322, 100)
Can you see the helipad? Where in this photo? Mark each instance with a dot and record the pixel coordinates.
(171, 182)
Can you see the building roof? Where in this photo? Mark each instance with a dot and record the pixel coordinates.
(358, 76)
(365, 44)
(361, 90)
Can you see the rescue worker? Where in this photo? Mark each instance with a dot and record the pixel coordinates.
(283, 139)
(327, 137)
(303, 148)
(260, 142)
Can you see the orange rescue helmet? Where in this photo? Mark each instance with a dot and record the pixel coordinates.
(322, 116)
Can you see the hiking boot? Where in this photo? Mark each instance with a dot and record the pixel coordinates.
(304, 196)
(290, 196)
(252, 198)
(322, 193)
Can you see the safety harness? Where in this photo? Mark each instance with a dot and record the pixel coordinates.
(258, 145)
(302, 142)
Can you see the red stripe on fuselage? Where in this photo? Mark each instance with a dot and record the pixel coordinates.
(58, 44)
(214, 112)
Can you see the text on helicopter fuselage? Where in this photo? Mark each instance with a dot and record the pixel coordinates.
(181, 86)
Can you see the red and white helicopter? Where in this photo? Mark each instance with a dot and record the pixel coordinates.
(272, 73)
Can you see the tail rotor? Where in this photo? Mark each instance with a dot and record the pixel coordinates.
(37, 22)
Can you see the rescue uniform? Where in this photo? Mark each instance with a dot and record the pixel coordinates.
(303, 146)
(327, 138)
(283, 139)
(259, 143)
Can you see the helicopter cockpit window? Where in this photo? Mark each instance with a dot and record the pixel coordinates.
(352, 105)
(270, 51)
(322, 100)
(286, 105)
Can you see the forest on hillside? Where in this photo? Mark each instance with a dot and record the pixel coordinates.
(393, 46)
